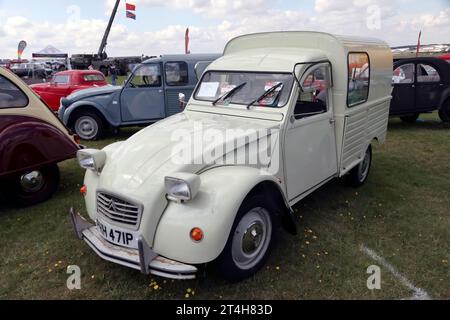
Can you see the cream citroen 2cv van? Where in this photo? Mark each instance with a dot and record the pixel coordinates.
(274, 119)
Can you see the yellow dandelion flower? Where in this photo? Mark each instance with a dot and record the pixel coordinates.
(326, 253)
(155, 287)
(193, 293)
(304, 256)
(50, 270)
(187, 296)
(59, 262)
(56, 265)
(278, 268)
(307, 242)
(189, 290)
(93, 277)
(314, 237)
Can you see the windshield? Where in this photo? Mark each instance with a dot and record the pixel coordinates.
(216, 84)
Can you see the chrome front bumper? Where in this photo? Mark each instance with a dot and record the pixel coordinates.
(143, 259)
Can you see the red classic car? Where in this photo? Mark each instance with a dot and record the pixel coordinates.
(66, 82)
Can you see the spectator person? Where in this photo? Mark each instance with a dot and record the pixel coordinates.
(91, 67)
(113, 71)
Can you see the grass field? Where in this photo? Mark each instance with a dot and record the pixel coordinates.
(403, 213)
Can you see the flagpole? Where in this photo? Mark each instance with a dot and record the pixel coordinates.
(418, 44)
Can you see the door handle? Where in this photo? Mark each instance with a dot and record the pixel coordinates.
(332, 121)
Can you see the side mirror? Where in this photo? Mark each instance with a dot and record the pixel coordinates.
(182, 101)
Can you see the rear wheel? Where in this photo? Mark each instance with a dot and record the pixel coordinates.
(33, 187)
(359, 175)
(251, 240)
(411, 118)
(88, 126)
(444, 113)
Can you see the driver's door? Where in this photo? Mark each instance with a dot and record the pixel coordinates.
(310, 146)
(142, 97)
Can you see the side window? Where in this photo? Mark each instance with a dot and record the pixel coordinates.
(148, 75)
(427, 73)
(11, 96)
(313, 96)
(61, 79)
(177, 73)
(93, 77)
(358, 78)
(404, 74)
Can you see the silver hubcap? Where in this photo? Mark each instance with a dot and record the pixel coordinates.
(86, 128)
(32, 182)
(252, 238)
(364, 167)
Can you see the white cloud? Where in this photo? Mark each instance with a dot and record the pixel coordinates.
(228, 19)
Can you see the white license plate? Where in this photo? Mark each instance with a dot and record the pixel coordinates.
(119, 236)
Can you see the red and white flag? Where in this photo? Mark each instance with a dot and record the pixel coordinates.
(130, 11)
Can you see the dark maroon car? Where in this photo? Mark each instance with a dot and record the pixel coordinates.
(32, 142)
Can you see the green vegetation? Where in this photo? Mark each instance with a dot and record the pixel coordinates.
(403, 213)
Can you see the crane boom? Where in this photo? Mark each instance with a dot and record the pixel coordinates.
(101, 50)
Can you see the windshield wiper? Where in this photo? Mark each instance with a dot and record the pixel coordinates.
(268, 92)
(230, 93)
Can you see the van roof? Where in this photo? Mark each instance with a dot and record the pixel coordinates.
(184, 57)
(281, 51)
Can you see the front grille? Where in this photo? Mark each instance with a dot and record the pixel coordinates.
(119, 211)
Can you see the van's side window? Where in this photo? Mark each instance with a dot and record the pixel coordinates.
(358, 78)
(313, 96)
(148, 75)
(176, 73)
(11, 96)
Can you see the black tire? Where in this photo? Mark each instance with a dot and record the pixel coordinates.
(444, 112)
(411, 118)
(43, 191)
(227, 266)
(88, 126)
(359, 175)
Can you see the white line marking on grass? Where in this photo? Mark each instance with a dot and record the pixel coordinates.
(419, 294)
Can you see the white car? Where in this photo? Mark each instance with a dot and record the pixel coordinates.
(277, 117)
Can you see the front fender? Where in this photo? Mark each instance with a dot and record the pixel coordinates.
(88, 104)
(214, 210)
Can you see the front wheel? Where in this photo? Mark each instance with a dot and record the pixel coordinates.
(359, 175)
(33, 187)
(88, 126)
(251, 240)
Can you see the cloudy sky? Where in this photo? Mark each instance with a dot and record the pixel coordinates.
(77, 26)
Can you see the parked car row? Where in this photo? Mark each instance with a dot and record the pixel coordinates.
(304, 113)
